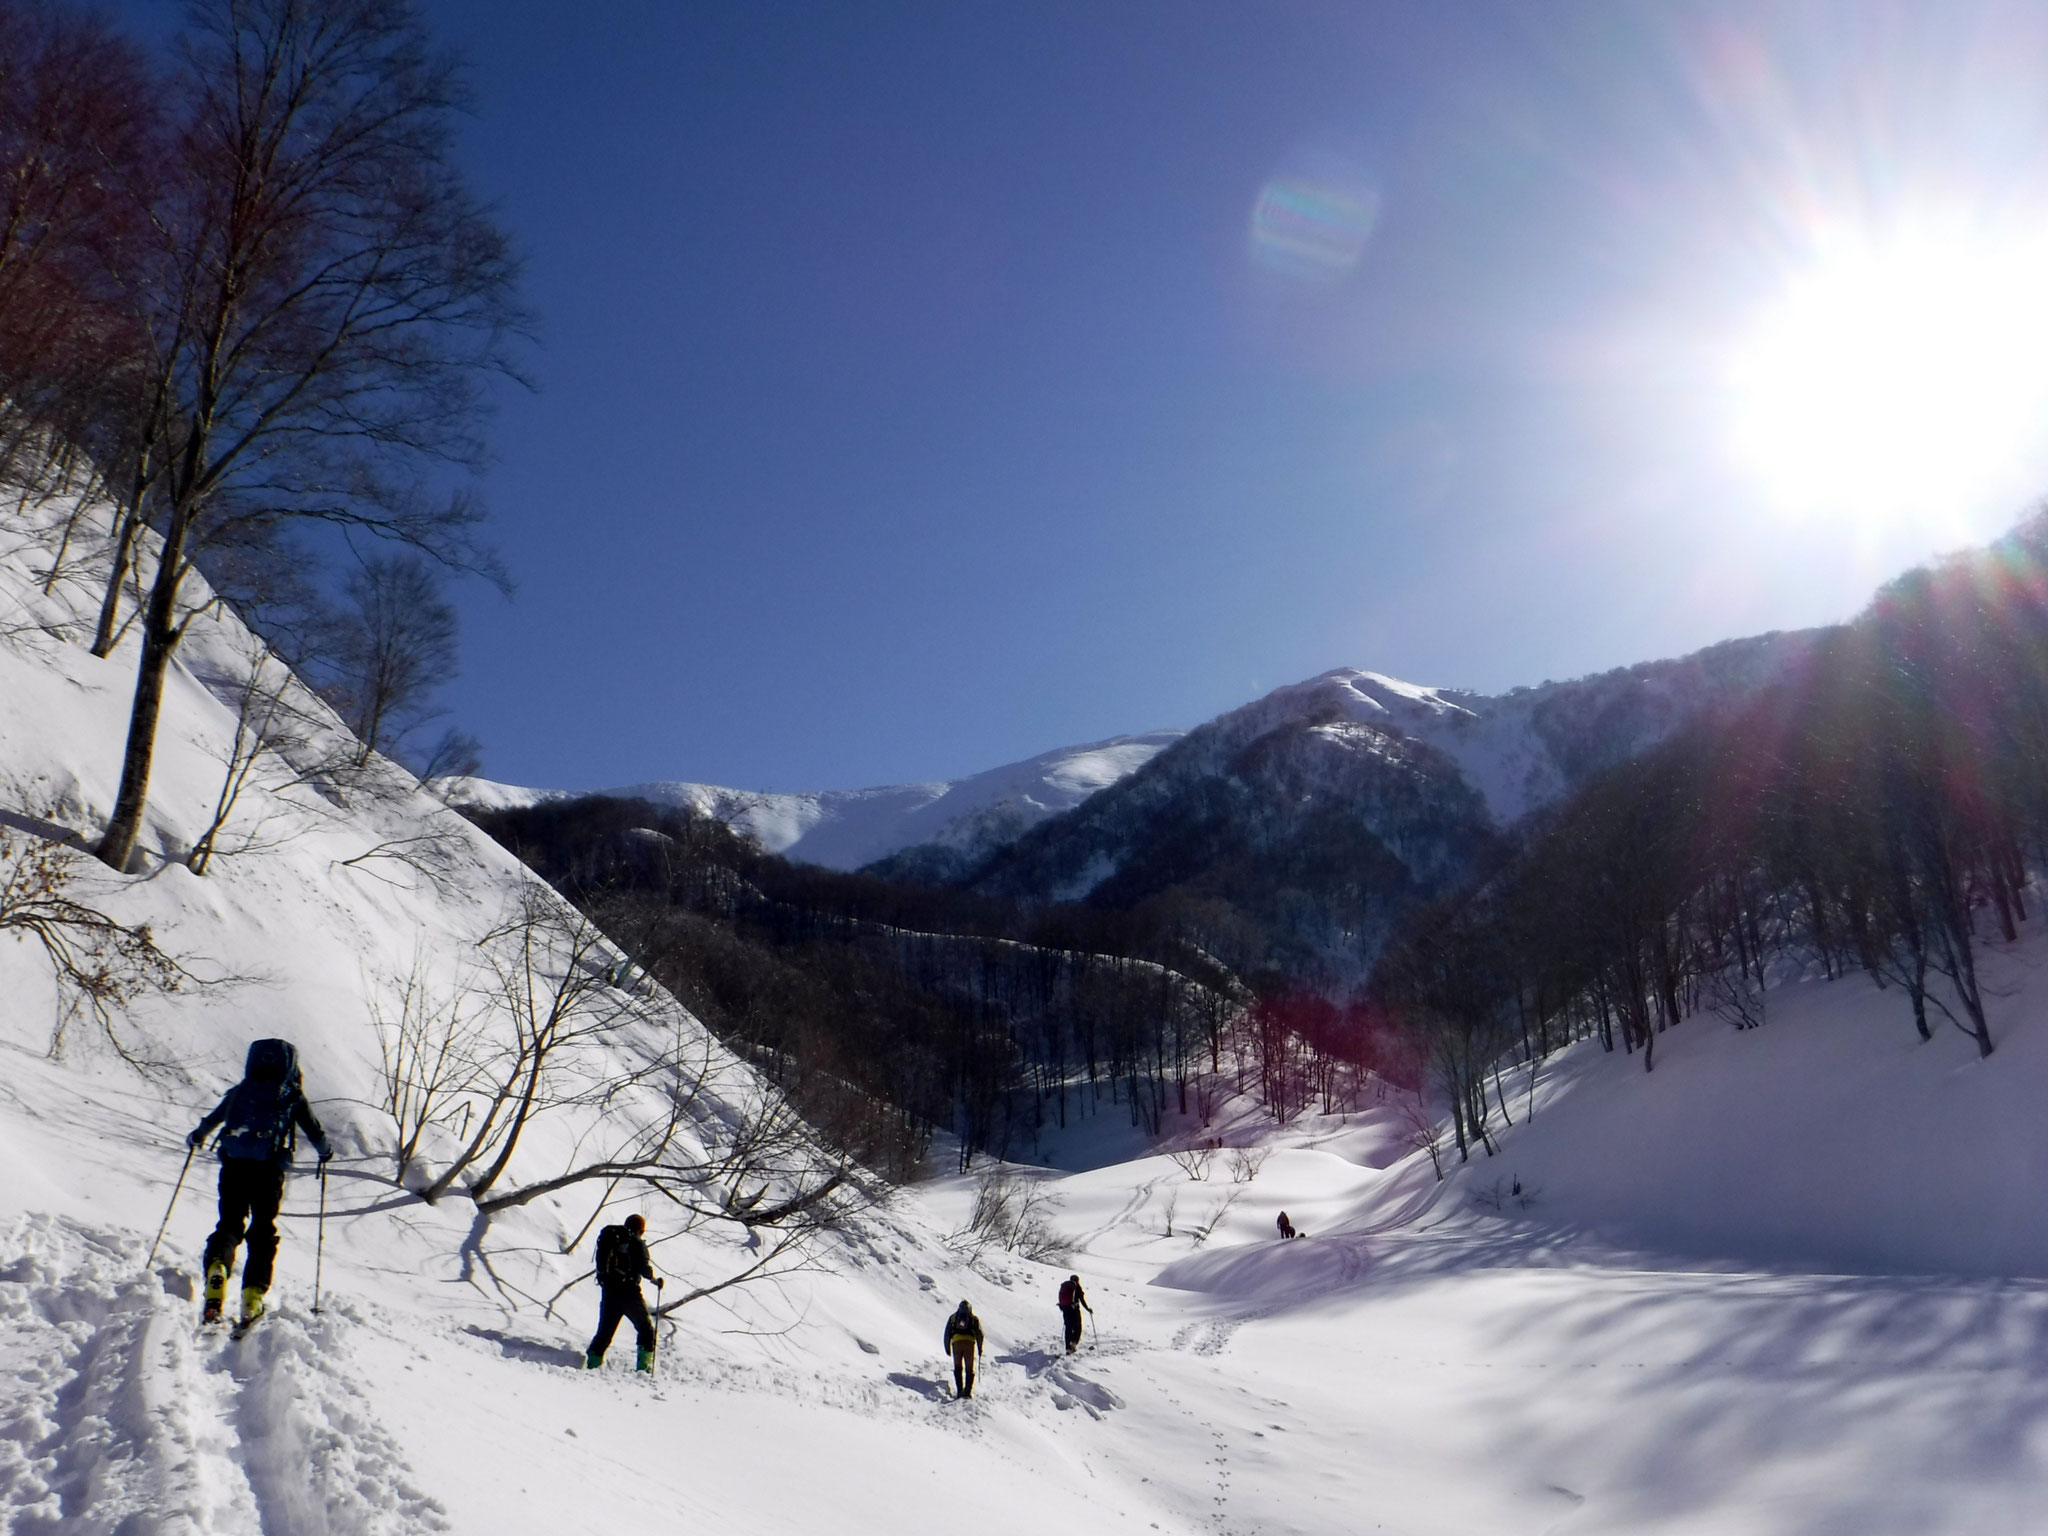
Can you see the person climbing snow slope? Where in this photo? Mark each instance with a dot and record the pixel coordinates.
(622, 1263)
(964, 1343)
(260, 1118)
(1072, 1300)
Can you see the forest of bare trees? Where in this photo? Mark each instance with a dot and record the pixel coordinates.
(1878, 810)
(890, 1012)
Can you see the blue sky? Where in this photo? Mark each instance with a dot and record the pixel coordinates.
(922, 386)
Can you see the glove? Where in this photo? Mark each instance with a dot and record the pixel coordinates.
(195, 1139)
(326, 1156)
(657, 1282)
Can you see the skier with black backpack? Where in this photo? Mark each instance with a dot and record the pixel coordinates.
(964, 1342)
(259, 1119)
(1072, 1300)
(622, 1263)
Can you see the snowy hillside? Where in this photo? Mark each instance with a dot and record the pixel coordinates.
(846, 828)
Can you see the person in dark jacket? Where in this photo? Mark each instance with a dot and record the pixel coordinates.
(259, 1120)
(622, 1263)
(964, 1343)
(1072, 1300)
(1286, 1227)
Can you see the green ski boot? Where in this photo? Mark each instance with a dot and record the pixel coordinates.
(592, 1360)
(643, 1360)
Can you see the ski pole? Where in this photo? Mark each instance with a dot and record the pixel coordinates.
(320, 1240)
(175, 1188)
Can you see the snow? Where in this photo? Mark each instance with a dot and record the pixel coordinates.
(1793, 1282)
(846, 828)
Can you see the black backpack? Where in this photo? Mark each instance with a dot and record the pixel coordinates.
(259, 1122)
(615, 1256)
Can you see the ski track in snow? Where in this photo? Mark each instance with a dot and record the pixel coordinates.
(129, 1422)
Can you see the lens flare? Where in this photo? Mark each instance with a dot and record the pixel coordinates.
(1312, 223)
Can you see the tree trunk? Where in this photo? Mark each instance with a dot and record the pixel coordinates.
(160, 636)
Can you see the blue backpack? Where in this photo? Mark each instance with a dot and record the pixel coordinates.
(259, 1122)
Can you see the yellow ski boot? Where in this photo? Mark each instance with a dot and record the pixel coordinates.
(216, 1292)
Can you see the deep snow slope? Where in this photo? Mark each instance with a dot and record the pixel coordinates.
(1795, 1282)
(846, 828)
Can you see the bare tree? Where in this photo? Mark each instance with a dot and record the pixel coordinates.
(1193, 1161)
(77, 122)
(1012, 1213)
(427, 1039)
(323, 306)
(99, 964)
(1423, 1132)
(260, 713)
(389, 651)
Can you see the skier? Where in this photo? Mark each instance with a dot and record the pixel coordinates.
(1072, 1300)
(622, 1264)
(964, 1343)
(1286, 1227)
(260, 1118)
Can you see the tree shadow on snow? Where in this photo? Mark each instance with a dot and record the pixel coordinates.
(1901, 1400)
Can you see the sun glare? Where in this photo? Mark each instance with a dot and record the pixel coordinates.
(1908, 382)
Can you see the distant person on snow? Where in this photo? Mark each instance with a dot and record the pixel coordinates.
(964, 1342)
(1072, 1300)
(260, 1119)
(622, 1263)
(1286, 1227)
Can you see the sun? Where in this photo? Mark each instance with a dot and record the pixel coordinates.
(1903, 381)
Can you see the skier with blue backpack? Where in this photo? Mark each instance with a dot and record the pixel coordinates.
(259, 1120)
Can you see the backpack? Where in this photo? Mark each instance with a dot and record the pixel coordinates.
(614, 1257)
(259, 1121)
(1067, 1296)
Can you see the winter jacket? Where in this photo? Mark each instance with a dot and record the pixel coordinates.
(963, 1325)
(622, 1257)
(263, 1113)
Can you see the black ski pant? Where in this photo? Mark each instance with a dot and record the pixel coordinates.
(1073, 1317)
(617, 1301)
(250, 1192)
(963, 1368)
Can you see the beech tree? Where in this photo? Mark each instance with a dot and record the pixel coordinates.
(389, 651)
(77, 135)
(323, 306)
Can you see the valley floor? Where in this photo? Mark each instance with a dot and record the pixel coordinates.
(1463, 1372)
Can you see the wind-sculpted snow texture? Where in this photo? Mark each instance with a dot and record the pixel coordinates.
(1795, 1282)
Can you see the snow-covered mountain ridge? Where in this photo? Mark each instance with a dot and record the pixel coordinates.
(1518, 751)
(846, 828)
